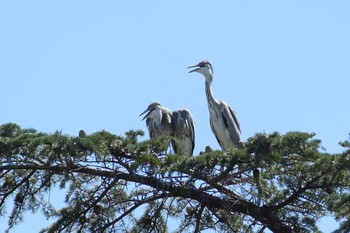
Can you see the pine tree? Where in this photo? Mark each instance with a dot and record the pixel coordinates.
(283, 183)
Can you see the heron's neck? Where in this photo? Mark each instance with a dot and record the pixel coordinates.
(158, 116)
(208, 91)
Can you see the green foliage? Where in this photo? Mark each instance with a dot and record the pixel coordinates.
(152, 220)
(281, 182)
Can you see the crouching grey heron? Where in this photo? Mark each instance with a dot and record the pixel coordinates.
(178, 126)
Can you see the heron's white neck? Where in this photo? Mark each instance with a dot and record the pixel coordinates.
(208, 91)
(156, 115)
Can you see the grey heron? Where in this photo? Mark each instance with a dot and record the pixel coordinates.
(158, 121)
(177, 126)
(223, 120)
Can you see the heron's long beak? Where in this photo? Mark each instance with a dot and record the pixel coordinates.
(147, 110)
(194, 70)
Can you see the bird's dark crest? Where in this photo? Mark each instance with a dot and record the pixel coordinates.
(205, 63)
(153, 105)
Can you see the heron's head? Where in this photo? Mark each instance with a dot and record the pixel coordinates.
(153, 111)
(204, 67)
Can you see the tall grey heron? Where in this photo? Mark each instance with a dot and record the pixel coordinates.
(223, 120)
(178, 126)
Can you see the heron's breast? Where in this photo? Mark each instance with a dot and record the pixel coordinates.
(221, 132)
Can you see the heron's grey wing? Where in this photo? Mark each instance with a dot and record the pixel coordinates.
(183, 125)
(174, 119)
(234, 116)
(188, 118)
(192, 131)
(231, 121)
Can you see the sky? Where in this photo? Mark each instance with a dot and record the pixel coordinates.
(96, 65)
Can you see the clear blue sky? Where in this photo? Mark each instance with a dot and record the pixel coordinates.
(282, 65)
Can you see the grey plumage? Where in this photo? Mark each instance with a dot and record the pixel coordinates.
(82, 133)
(177, 126)
(183, 132)
(158, 122)
(208, 149)
(223, 120)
